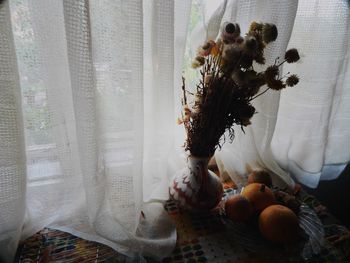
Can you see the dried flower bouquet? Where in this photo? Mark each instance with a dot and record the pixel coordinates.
(228, 84)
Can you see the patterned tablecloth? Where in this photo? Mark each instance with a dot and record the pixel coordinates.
(201, 238)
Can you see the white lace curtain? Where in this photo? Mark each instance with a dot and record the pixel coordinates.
(89, 98)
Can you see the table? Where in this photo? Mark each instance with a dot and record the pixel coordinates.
(201, 238)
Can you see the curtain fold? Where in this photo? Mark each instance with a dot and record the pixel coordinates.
(54, 172)
(165, 34)
(84, 113)
(12, 152)
(159, 54)
(312, 134)
(252, 148)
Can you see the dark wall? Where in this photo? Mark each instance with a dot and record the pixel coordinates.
(335, 195)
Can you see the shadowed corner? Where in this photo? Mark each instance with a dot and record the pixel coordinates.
(335, 195)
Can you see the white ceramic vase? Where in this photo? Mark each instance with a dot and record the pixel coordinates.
(195, 188)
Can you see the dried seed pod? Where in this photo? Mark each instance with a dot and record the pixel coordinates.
(251, 43)
(292, 55)
(254, 26)
(276, 84)
(292, 80)
(271, 72)
(269, 33)
(229, 32)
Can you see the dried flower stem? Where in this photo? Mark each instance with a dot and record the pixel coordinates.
(261, 93)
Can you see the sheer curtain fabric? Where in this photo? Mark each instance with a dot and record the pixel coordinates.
(90, 95)
(97, 83)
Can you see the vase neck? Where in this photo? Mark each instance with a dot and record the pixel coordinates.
(198, 162)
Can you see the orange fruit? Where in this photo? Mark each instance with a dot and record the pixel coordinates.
(238, 208)
(260, 195)
(279, 224)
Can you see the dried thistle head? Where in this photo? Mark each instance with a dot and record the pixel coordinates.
(275, 84)
(255, 26)
(246, 60)
(198, 62)
(206, 49)
(292, 55)
(269, 33)
(271, 72)
(292, 80)
(251, 43)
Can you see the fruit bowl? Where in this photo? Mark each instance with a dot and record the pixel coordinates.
(310, 235)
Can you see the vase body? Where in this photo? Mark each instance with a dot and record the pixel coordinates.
(195, 188)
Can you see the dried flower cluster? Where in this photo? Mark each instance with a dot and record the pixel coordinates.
(229, 83)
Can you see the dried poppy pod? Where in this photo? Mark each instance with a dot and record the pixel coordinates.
(230, 32)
